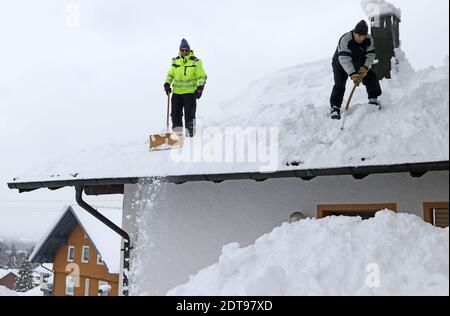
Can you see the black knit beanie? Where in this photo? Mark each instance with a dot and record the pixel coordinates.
(361, 28)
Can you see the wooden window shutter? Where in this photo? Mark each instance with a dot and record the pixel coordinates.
(441, 217)
(436, 214)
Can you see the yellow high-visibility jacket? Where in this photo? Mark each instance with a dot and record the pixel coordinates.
(186, 74)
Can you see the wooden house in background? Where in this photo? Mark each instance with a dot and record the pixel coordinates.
(85, 254)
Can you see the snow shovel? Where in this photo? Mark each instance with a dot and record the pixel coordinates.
(168, 140)
(347, 106)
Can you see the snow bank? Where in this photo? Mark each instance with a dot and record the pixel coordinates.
(6, 292)
(392, 254)
(33, 292)
(379, 7)
(412, 128)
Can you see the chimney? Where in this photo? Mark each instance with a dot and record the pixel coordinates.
(385, 29)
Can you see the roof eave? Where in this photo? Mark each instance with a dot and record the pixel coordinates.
(358, 172)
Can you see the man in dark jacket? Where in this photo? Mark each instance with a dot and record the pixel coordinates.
(354, 58)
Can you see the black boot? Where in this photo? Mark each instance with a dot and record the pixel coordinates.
(375, 102)
(190, 131)
(335, 113)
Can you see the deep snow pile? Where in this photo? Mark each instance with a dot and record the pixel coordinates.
(412, 127)
(392, 254)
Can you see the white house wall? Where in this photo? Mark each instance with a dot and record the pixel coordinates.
(178, 230)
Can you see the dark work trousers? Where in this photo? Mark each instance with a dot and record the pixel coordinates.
(340, 79)
(188, 102)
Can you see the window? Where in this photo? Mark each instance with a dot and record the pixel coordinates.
(99, 260)
(365, 211)
(85, 254)
(70, 253)
(70, 285)
(436, 214)
(87, 285)
(103, 288)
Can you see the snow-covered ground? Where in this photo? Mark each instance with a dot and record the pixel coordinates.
(7, 292)
(33, 292)
(412, 127)
(392, 254)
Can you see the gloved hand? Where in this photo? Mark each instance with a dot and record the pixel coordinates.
(198, 93)
(167, 88)
(356, 79)
(363, 71)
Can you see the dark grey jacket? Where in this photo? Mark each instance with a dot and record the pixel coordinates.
(352, 56)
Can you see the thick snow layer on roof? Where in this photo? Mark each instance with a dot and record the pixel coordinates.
(379, 8)
(413, 127)
(4, 272)
(107, 242)
(392, 254)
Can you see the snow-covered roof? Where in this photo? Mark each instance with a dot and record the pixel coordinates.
(5, 272)
(46, 268)
(337, 256)
(106, 241)
(413, 127)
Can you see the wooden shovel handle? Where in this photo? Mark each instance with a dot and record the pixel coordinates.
(350, 97)
(168, 111)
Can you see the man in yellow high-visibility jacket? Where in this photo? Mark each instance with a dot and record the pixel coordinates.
(187, 78)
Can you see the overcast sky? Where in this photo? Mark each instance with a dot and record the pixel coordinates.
(66, 85)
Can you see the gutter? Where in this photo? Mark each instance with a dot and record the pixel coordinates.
(416, 170)
(126, 238)
(42, 266)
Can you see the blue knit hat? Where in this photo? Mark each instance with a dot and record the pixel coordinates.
(184, 44)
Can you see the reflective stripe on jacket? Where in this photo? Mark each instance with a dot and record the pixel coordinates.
(186, 74)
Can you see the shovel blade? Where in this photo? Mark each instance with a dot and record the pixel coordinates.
(166, 141)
